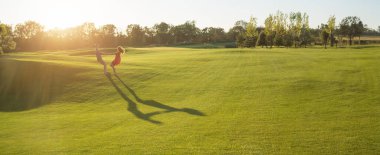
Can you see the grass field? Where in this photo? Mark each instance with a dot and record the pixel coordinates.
(192, 101)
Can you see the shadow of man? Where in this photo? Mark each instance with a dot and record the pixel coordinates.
(132, 106)
(156, 104)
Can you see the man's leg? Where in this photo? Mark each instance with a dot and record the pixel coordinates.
(105, 68)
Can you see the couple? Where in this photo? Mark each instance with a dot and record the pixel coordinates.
(119, 50)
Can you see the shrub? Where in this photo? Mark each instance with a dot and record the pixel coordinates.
(230, 45)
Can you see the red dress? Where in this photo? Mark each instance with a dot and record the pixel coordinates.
(117, 59)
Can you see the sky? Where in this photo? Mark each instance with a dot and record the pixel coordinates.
(216, 13)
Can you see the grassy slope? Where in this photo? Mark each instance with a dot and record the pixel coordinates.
(173, 100)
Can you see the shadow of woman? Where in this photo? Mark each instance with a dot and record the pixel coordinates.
(132, 106)
(156, 104)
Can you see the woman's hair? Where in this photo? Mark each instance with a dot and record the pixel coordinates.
(120, 49)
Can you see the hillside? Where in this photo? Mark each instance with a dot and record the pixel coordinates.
(192, 101)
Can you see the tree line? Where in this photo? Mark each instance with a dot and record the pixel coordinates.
(280, 29)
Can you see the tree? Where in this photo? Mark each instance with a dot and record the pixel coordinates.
(6, 38)
(241, 23)
(261, 41)
(217, 34)
(29, 35)
(237, 33)
(107, 34)
(331, 29)
(349, 27)
(269, 30)
(359, 29)
(88, 33)
(185, 33)
(28, 30)
(149, 35)
(251, 33)
(121, 39)
(340, 35)
(162, 33)
(55, 39)
(294, 28)
(378, 29)
(280, 22)
(324, 34)
(291, 34)
(287, 40)
(135, 35)
(305, 36)
(211, 34)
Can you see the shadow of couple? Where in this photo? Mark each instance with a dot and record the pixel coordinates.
(132, 106)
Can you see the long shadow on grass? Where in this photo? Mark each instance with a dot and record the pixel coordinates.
(132, 106)
(26, 85)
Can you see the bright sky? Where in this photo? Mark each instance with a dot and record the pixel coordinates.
(217, 13)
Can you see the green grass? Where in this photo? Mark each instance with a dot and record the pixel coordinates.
(192, 101)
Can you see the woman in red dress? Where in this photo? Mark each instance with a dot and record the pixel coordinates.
(117, 59)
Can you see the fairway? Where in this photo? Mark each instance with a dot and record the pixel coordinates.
(169, 100)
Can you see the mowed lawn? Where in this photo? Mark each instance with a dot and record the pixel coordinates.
(192, 101)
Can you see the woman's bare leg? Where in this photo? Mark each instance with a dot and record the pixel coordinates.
(113, 67)
(114, 71)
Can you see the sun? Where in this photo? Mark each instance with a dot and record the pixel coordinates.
(62, 14)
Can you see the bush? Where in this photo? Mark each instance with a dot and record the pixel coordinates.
(230, 45)
(261, 41)
(250, 42)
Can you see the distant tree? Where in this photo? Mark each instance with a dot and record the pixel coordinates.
(74, 37)
(217, 34)
(185, 33)
(149, 35)
(378, 29)
(325, 34)
(291, 28)
(305, 36)
(205, 36)
(260, 29)
(237, 33)
(135, 34)
(287, 40)
(359, 29)
(55, 39)
(294, 28)
(241, 23)
(349, 27)
(280, 23)
(121, 39)
(28, 30)
(339, 35)
(84, 35)
(211, 34)
(369, 31)
(29, 35)
(270, 30)
(6, 38)
(240, 40)
(331, 29)
(108, 35)
(261, 41)
(251, 33)
(162, 33)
